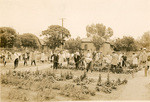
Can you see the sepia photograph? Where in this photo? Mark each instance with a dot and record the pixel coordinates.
(74, 50)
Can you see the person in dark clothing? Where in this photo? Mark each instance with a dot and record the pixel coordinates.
(124, 57)
(28, 56)
(94, 55)
(25, 59)
(82, 58)
(9, 55)
(16, 60)
(55, 60)
(16, 63)
(4, 60)
(33, 58)
(76, 59)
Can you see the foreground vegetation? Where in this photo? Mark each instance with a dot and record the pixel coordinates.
(47, 85)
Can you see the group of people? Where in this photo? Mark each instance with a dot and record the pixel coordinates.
(81, 58)
(114, 60)
(15, 57)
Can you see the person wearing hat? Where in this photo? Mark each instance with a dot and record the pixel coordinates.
(134, 60)
(143, 60)
(76, 59)
(124, 60)
(114, 61)
(89, 62)
(61, 59)
(100, 58)
(33, 58)
(25, 59)
(55, 58)
(120, 59)
(67, 54)
(42, 57)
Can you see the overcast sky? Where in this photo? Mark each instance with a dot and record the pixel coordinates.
(125, 17)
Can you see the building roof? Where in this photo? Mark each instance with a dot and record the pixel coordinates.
(88, 39)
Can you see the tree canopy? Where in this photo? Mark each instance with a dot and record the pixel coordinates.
(8, 37)
(127, 43)
(73, 45)
(55, 36)
(97, 41)
(145, 39)
(100, 30)
(30, 40)
(99, 34)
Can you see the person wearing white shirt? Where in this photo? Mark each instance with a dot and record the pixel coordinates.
(33, 58)
(42, 57)
(67, 57)
(134, 60)
(114, 61)
(25, 59)
(61, 59)
(89, 62)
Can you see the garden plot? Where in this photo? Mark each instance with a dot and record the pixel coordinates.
(61, 85)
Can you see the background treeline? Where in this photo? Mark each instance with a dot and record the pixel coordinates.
(55, 36)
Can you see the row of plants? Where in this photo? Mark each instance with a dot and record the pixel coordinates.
(104, 86)
(44, 83)
(47, 85)
(105, 68)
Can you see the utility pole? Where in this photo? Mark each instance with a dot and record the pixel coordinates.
(62, 19)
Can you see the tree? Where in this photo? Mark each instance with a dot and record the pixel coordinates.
(97, 41)
(127, 43)
(30, 40)
(145, 39)
(55, 35)
(99, 33)
(100, 30)
(8, 37)
(18, 42)
(73, 45)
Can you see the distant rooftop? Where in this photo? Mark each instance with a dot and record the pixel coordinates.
(88, 39)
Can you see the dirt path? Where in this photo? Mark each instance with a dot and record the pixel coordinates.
(136, 89)
(25, 68)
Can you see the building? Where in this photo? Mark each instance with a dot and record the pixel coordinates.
(87, 44)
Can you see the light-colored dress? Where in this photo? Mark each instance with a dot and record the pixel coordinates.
(42, 57)
(115, 59)
(135, 59)
(97, 57)
(88, 58)
(108, 59)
